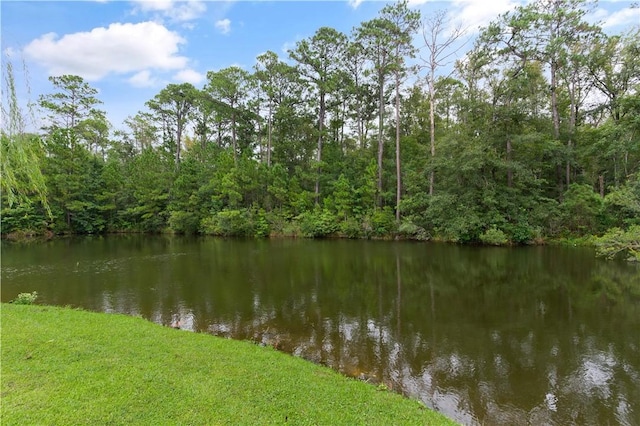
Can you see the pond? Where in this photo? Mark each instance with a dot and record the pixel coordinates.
(528, 335)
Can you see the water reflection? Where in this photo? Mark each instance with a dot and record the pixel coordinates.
(486, 336)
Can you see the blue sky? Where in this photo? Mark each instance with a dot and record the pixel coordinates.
(130, 50)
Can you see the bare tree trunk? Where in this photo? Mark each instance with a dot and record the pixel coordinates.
(432, 29)
(509, 169)
(380, 140)
(398, 165)
(432, 130)
(319, 149)
(601, 185)
(573, 119)
(178, 142)
(269, 129)
(342, 121)
(233, 136)
(556, 119)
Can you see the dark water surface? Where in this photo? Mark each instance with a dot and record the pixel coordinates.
(537, 335)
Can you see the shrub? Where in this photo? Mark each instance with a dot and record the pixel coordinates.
(25, 298)
(351, 228)
(183, 222)
(620, 242)
(261, 226)
(581, 209)
(520, 232)
(622, 205)
(318, 223)
(227, 223)
(410, 230)
(381, 223)
(237, 223)
(494, 236)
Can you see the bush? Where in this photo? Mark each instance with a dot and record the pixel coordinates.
(581, 209)
(318, 223)
(24, 218)
(410, 230)
(227, 223)
(261, 226)
(237, 223)
(183, 222)
(494, 236)
(280, 224)
(25, 298)
(520, 232)
(380, 223)
(620, 242)
(351, 228)
(622, 205)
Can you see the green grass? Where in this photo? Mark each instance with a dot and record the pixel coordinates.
(62, 366)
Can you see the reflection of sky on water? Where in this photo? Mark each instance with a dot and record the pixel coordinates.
(338, 343)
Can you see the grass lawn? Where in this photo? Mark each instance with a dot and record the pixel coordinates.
(68, 367)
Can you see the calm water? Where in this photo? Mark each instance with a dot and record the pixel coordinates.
(538, 335)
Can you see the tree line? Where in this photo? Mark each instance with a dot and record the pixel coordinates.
(534, 133)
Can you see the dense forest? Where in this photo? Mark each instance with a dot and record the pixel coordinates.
(534, 133)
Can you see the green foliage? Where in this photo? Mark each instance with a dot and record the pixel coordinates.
(173, 105)
(76, 186)
(622, 205)
(147, 187)
(237, 223)
(303, 149)
(73, 102)
(20, 153)
(521, 232)
(227, 223)
(380, 223)
(410, 230)
(343, 196)
(25, 298)
(620, 242)
(183, 222)
(581, 209)
(317, 223)
(28, 218)
(351, 228)
(494, 237)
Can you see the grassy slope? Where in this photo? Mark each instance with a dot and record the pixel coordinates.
(63, 366)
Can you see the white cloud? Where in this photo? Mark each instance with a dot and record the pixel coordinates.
(469, 14)
(120, 48)
(142, 79)
(153, 5)
(355, 3)
(177, 10)
(628, 16)
(189, 76)
(473, 14)
(223, 25)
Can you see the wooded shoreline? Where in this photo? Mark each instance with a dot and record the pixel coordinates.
(340, 139)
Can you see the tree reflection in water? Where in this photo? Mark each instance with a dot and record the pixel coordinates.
(537, 335)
